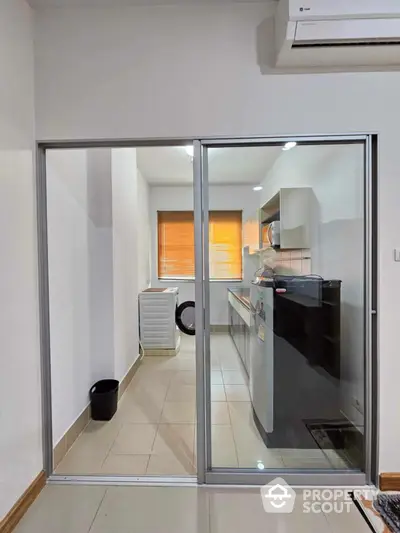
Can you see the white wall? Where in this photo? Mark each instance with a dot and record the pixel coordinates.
(93, 272)
(220, 197)
(144, 232)
(193, 71)
(80, 279)
(20, 413)
(336, 176)
(125, 270)
(101, 288)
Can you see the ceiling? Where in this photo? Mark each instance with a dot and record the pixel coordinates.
(116, 3)
(240, 165)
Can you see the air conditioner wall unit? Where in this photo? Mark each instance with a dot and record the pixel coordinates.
(337, 33)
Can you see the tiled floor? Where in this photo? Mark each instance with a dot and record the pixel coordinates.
(153, 432)
(91, 509)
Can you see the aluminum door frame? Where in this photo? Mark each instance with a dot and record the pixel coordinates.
(299, 477)
(202, 291)
(44, 312)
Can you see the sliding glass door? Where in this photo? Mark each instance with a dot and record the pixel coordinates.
(284, 296)
(273, 241)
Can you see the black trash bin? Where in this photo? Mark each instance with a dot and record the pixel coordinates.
(104, 399)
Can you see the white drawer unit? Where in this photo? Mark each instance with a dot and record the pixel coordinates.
(243, 311)
(157, 309)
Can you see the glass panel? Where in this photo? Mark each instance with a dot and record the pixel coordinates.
(113, 231)
(287, 340)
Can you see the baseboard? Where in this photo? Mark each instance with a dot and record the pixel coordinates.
(389, 481)
(63, 446)
(11, 520)
(219, 328)
(65, 443)
(149, 352)
(125, 381)
(161, 352)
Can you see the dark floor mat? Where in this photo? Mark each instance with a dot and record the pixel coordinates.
(388, 505)
(338, 435)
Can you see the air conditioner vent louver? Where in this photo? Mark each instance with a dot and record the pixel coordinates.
(336, 44)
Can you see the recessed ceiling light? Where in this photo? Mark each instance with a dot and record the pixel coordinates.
(189, 150)
(258, 188)
(289, 145)
(260, 465)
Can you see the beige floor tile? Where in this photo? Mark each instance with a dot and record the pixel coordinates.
(125, 465)
(184, 377)
(80, 461)
(152, 510)
(164, 363)
(243, 425)
(347, 522)
(174, 439)
(251, 457)
(62, 509)
(159, 362)
(229, 363)
(103, 430)
(223, 451)
(252, 451)
(234, 377)
(188, 344)
(145, 391)
(179, 413)
(241, 414)
(306, 462)
(186, 364)
(221, 344)
(304, 458)
(250, 447)
(241, 511)
(152, 372)
(336, 461)
(216, 377)
(237, 393)
(90, 449)
(181, 393)
(303, 453)
(215, 364)
(135, 439)
(170, 465)
(97, 437)
(186, 353)
(140, 411)
(220, 413)
(78, 509)
(218, 393)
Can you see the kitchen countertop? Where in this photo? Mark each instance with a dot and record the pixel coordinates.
(242, 294)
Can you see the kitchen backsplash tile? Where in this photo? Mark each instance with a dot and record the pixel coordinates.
(294, 262)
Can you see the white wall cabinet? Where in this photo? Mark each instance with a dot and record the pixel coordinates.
(293, 207)
(251, 232)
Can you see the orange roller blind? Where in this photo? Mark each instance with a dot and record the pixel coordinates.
(176, 244)
(225, 230)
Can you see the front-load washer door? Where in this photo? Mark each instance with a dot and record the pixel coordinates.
(185, 317)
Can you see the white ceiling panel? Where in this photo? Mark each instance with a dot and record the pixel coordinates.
(240, 165)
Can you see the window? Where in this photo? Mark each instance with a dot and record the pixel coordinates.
(176, 245)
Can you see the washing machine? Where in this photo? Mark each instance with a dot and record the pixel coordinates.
(162, 318)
